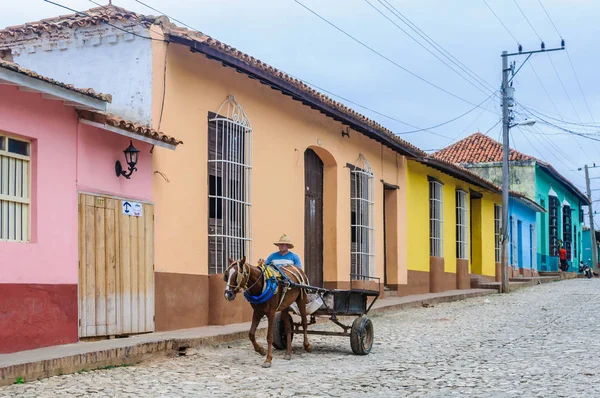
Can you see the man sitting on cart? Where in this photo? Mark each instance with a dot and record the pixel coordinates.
(284, 256)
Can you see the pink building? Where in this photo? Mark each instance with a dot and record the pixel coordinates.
(76, 240)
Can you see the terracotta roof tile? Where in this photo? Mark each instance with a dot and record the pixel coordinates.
(136, 128)
(478, 148)
(95, 16)
(111, 13)
(85, 91)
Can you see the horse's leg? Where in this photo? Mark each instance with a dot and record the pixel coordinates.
(256, 316)
(271, 319)
(302, 298)
(287, 322)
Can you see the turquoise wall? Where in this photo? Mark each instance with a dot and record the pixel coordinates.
(543, 183)
(586, 244)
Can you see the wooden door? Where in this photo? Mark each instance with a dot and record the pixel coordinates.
(116, 268)
(313, 218)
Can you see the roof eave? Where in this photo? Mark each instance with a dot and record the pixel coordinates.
(550, 170)
(528, 203)
(51, 91)
(460, 174)
(294, 92)
(128, 134)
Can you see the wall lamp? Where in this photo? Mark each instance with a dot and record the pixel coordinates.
(131, 157)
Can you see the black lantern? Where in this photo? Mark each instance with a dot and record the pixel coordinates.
(131, 157)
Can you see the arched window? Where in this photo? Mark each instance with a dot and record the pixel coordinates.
(229, 185)
(362, 219)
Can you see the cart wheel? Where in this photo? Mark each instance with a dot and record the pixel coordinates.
(279, 337)
(361, 336)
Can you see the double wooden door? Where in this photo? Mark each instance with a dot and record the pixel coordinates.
(116, 267)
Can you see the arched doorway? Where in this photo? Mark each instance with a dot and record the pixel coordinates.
(313, 217)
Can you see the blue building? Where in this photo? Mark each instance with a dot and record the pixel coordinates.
(586, 243)
(562, 221)
(522, 251)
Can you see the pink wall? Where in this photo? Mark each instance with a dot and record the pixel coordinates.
(51, 256)
(67, 157)
(98, 151)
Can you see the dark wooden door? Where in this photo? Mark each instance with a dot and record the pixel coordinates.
(313, 218)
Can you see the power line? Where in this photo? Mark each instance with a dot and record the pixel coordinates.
(499, 20)
(570, 62)
(527, 19)
(548, 15)
(430, 41)
(383, 56)
(544, 88)
(346, 99)
(437, 46)
(451, 120)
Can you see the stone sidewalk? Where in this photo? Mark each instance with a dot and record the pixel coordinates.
(70, 358)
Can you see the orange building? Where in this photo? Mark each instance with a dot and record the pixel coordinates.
(265, 154)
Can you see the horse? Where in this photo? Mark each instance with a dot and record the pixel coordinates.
(241, 275)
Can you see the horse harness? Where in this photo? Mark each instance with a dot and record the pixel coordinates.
(271, 283)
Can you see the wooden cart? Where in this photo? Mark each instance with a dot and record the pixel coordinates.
(352, 302)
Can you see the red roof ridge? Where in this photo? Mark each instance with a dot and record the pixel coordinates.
(478, 148)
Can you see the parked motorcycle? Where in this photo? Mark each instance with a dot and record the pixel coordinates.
(585, 268)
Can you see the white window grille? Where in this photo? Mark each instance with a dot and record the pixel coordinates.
(15, 182)
(462, 222)
(229, 185)
(533, 247)
(362, 219)
(498, 232)
(436, 219)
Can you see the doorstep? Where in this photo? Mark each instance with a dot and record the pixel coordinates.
(70, 358)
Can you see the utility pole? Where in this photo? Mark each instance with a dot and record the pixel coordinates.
(591, 214)
(505, 170)
(506, 125)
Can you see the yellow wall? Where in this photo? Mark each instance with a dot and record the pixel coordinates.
(282, 130)
(418, 221)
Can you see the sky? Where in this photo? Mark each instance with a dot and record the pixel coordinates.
(400, 83)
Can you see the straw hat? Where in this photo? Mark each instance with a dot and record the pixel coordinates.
(284, 240)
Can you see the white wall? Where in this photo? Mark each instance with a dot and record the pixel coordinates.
(100, 57)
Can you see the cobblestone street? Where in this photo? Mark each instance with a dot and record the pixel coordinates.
(536, 342)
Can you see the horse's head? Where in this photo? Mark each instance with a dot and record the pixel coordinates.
(236, 276)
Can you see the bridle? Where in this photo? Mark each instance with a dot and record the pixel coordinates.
(243, 277)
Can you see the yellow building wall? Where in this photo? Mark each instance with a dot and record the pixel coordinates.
(282, 130)
(482, 260)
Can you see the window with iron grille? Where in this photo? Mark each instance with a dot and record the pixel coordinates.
(229, 185)
(497, 232)
(553, 225)
(462, 222)
(15, 189)
(362, 218)
(567, 230)
(436, 219)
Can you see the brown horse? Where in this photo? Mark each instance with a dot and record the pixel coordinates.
(241, 275)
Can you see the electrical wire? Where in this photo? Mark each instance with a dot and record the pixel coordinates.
(499, 20)
(384, 56)
(418, 129)
(527, 19)
(485, 90)
(570, 61)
